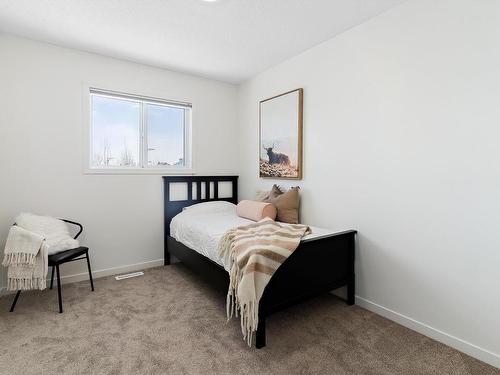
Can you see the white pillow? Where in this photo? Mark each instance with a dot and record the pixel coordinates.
(55, 231)
(213, 206)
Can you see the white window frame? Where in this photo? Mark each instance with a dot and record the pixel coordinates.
(187, 168)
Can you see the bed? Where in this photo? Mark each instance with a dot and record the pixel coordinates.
(324, 260)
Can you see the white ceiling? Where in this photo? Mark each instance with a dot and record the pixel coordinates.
(229, 40)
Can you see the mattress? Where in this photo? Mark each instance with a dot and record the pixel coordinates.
(201, 226)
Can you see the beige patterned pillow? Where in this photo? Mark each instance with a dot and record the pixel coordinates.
(262, 195)
(287, 203)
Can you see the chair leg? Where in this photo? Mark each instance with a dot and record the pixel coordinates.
(90, 272)
(59, 289)
(15, 301)
(52, 278)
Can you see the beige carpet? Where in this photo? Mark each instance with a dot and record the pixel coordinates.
(170, 322)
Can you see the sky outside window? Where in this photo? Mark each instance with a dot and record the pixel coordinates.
(165, 135)
(115, 132)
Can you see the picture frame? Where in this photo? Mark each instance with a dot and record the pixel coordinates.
(280, 136)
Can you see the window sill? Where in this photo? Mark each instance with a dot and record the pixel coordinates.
(140, 171)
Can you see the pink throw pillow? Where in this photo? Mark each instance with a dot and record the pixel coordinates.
(256, 211)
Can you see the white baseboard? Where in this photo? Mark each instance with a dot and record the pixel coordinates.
(443, 337)
(102, 273)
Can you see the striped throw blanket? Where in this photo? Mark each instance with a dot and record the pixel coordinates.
(254, 252)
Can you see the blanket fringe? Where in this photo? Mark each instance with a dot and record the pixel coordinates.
(225, 244)
(25, 284)
(248, 311)
(249, 320)
(18, 258)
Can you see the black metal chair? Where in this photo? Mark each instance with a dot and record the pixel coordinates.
(55, 260)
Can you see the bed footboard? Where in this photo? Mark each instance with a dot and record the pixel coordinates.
(316, 267)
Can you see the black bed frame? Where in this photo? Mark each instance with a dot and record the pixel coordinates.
(317, 266)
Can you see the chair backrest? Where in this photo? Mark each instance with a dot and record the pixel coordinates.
(80, 226)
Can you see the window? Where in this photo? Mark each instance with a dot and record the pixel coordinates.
(133, 132)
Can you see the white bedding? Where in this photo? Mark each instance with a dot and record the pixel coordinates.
(201, 226)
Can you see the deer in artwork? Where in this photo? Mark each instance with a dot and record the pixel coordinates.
(276, 157)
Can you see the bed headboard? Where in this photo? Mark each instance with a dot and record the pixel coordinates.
(206, 189)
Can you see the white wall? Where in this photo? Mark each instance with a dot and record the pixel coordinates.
(41, 148)
(401, 133)
(400, 142)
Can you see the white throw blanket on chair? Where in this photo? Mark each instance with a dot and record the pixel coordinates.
(28, 246)
(27, 258)
(55, 231)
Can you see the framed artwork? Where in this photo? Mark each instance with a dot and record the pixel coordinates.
(280, 136)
